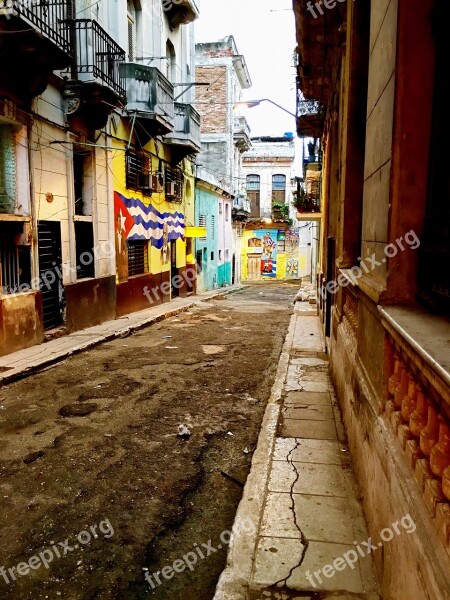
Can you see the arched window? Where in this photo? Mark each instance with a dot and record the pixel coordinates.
(279, 188)
(171, 62)
(253, 183)
(254, 194)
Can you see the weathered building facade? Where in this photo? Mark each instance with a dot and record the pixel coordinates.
(213, 208)
(225, 133)
(375, 70)
(97, 135)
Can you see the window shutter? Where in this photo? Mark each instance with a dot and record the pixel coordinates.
(7, 170)
(130, 40)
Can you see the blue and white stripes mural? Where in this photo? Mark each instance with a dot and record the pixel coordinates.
(140, 221)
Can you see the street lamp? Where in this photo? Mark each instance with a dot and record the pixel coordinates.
(253, 103)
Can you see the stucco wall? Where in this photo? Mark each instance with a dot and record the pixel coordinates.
(20, 322)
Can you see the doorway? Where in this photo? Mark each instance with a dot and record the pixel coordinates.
(50, 270)
(254, 267)
(173, 268)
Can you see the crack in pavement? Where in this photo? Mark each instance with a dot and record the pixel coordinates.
(304, 541)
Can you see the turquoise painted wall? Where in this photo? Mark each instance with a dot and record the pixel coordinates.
(224, 274)
(207, 204)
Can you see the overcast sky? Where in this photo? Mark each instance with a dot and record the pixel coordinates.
(264, 31)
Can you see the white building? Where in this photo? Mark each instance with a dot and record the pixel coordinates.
(101, 103)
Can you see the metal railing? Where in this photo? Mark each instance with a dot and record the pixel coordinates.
(310, 107)
(47, 16)
(98, 55)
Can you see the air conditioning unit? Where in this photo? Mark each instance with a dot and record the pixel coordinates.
(171, 189)
(145, 184)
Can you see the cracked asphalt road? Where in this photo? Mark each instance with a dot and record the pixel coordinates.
(92, 442)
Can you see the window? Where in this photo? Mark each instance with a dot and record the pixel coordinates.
(174, 184)
(15, 260)
(7, 170)
(202, 223)
(131, 30)
(220, 255)
(253, 183)
(254, 194)
(212, 255)
(227, 255)
(227, 211)
(84, 242)
(279, 189)
(213, 226)
(83, 181)
(171, 62)
(220, 208)
(137, 257)
(137, 170)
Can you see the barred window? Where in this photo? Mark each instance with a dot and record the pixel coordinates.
(15, 261)
(137, 257)
(137, 165)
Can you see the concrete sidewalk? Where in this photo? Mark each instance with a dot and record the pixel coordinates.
(300, 496)
(26, 362)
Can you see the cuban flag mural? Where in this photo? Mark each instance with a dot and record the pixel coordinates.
(139, 221)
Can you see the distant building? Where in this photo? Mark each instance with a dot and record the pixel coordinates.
(225, 134)
(274, 243)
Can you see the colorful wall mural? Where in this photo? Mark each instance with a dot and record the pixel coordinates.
(270, 253)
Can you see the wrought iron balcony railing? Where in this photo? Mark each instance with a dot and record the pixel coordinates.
(309, 107)
(98, 55)
(46, 16)
(149, 95)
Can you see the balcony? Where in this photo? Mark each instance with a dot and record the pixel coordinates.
(310, 118)
(241, 134)
(241, 208)
(181, 12)
(98, 57)
(96, 84)
(149, 97)
(186, 133)
(39, 45)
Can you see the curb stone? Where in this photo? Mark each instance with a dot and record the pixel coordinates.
(234, 580)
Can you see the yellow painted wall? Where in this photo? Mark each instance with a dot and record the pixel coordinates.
(157, 200)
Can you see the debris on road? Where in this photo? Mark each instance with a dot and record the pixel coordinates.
(184, 431)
